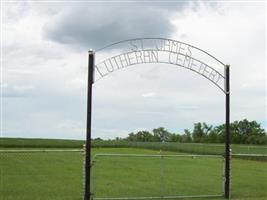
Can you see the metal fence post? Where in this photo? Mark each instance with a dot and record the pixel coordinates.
(87, 185)
(227, 133)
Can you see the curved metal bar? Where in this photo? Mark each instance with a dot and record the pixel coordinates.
(162, 62)
(167, 63)
(170, 64)
(128, 40)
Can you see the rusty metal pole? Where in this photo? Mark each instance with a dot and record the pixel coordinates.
(227, 133)
(87, 183)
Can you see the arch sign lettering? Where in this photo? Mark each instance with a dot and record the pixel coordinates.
(138, 51)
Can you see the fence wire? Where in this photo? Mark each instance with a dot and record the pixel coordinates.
(58, 174)
(137, 176)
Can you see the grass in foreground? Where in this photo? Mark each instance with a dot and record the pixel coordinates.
(58, 176)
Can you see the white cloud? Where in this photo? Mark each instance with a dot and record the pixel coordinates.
(150, 94)
(53, 75)
(22, 88)
(3, 85)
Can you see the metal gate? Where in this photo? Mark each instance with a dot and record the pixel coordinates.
(143, 176)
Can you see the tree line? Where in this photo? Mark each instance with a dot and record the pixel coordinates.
(242, 132)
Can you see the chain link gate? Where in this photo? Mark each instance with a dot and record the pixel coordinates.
(157, 50)
(143, 176)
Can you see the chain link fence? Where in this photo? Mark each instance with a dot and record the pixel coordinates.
(137, 176)
(58, 174)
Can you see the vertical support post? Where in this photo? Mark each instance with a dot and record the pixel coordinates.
(227, 133)
(87, 183)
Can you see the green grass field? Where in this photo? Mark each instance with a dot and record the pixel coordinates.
(58, 176)
(39, 143)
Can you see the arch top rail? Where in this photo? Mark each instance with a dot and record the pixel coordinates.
(150, 55)
(156, 39)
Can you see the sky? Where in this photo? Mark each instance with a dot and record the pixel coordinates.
(44, 58)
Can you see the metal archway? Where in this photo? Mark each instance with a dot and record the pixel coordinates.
(158, 50)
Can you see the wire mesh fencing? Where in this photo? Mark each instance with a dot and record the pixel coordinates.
(41, 174)
(58, 174)
(138, 176)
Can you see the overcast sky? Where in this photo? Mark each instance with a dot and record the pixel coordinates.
(44, 66)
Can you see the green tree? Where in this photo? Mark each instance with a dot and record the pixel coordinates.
(144, 136)
(161, 135)
(248, 132)
(212, 137)
(200, 132)
(242, 132)
(174, 138)
(188, 135)
(131, 137)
